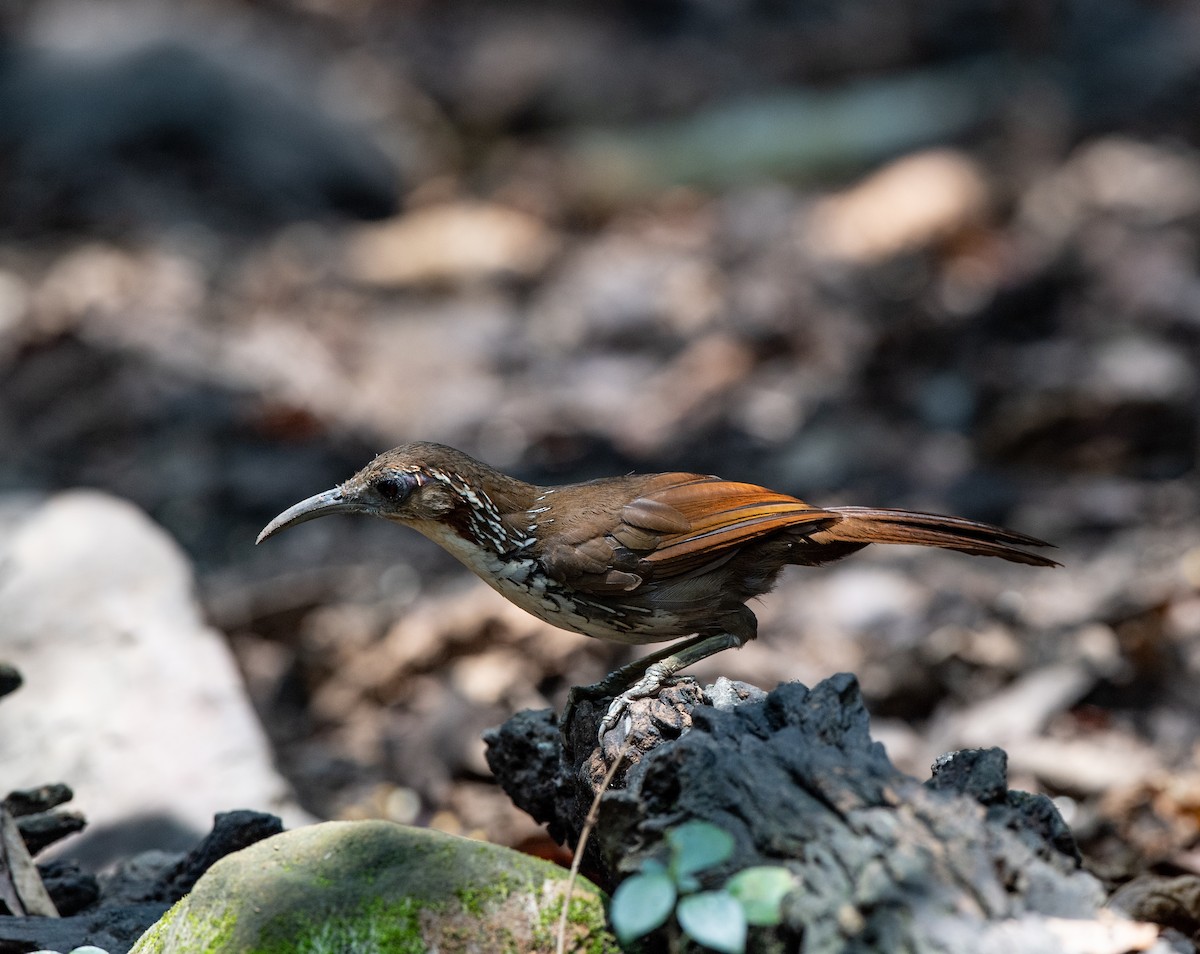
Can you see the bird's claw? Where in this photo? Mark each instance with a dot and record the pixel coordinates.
(648, 685)
(616, 714)
(617, 708)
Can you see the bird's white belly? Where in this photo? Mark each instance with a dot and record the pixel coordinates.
(518, 582)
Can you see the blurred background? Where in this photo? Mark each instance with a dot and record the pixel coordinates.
(939, 255)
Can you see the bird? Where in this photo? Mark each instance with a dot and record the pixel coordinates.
(640, 558)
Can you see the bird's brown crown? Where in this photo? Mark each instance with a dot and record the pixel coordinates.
(428, 481)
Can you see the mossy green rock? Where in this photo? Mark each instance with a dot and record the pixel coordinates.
(374, 887)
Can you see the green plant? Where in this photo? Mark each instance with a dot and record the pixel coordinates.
(716, 919)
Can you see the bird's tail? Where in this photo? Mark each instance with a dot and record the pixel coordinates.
(860, 526)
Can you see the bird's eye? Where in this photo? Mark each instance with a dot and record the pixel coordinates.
(392, 487)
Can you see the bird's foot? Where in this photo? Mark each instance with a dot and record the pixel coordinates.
(596, 692)
(643, 677)
(648, 685)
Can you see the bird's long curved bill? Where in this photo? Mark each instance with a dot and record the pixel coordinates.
(318, 505)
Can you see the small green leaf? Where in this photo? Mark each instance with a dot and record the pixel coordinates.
(653, 866)
(686, 884)
(697, 845)
(640, 904)
(714, 919)
(760, 891)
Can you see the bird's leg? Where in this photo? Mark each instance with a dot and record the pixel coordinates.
(645, 677)
(661, 667)
(628, 675)
(631, 676)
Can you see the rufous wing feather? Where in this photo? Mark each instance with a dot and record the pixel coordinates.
(720, 516)
(676, 524)
(680, 524)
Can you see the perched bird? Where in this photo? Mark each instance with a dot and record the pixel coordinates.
(635, 559)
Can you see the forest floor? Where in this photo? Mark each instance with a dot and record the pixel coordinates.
(600, 263)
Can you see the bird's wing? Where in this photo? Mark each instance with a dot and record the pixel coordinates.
(677, 524)
(721, 516)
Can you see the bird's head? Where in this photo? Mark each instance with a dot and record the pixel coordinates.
(414, 484)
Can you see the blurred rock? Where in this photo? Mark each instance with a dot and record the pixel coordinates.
(1020, 710)
(1151, 182)
(33, 800)
(856, 597)
(171, 133)
(1171, 902)
(115, 909)
(1084, 766)
(70, 887)
(232, 831)
(906, 205)
(1141, 367)
(45, 828)
(1155, 817)
(450, 244)
(128, 695)
(10, 679)
(633, 290)
(685, 394)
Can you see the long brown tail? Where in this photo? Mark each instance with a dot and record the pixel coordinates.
(862, 525)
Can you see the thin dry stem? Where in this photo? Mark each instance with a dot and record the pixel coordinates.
(589, 823)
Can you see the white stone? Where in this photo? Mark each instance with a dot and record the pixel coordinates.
(129, 697)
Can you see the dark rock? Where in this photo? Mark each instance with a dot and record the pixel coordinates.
(130, 899)
(10, 679)
(111, 929)
(41, 799)
(1171, 902)
(139, 878)
(797, 781)
(524, 753)
(169, 121)
(982, 774)
(232, 831)
(70, 887)
(45, 828)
